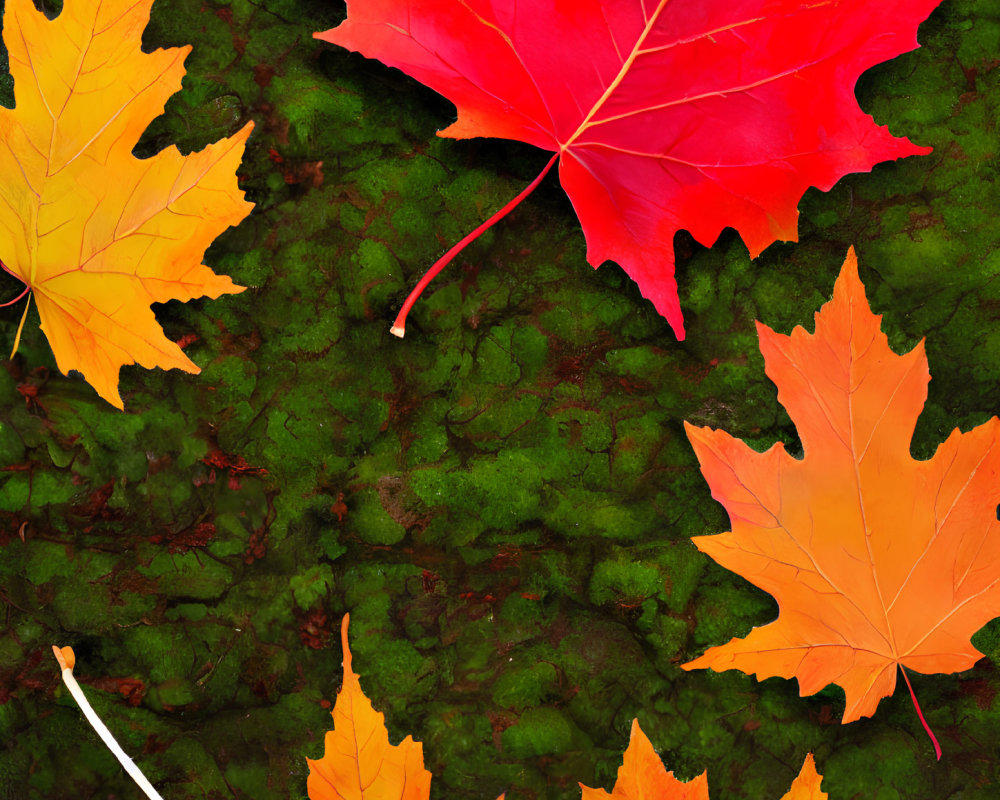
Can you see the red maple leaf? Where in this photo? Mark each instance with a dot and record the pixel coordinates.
(688, 114)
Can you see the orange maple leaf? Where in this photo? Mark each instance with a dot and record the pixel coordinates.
(642, 776)
(358, 762)
(806, 785)
(96, 234)
(875, 559)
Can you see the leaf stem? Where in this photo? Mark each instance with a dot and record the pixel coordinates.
(24, 316)
(20, 325)
(67, 660)
(12, 274)
(399, 326)
(11, 302)
(916, 705)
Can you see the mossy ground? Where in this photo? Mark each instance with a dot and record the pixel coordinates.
(503, 500)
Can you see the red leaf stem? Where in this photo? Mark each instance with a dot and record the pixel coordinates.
(916, 705)
(399, 326)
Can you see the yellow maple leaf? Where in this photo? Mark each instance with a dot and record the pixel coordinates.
(96, 234)
(642, 776)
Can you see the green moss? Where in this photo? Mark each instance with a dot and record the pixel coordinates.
(172, 694)
(494, 425)
(525, 687)
(82, 605)
(311, 585)
(667, 634)
(235, 377)
(725, 610)
(161, 654)
(15, 493)
(495, 362)
(11, 654)
(502, 492)
(683, 566)
(195, 612)
(250, 778)
(48, 560)
(330, 545)
(400, 670)
(538, 732)
(625, 581)
(188, 575)
(530, 348)
(372, 522)
(11, 447)
(522, 613)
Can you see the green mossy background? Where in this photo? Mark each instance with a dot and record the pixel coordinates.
(503, 500)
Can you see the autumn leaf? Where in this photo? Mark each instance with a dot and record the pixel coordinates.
(806, 785)
(358, 762)
(94, 233)
(689, 114)
(877, 561)
(642, 776)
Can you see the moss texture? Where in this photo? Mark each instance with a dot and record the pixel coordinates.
(503, 500)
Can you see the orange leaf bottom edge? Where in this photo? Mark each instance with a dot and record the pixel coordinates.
(359, 762)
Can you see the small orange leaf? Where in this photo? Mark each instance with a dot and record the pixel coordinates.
(806, 785)
(358, 762)
(96, 234)
(642, 776)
